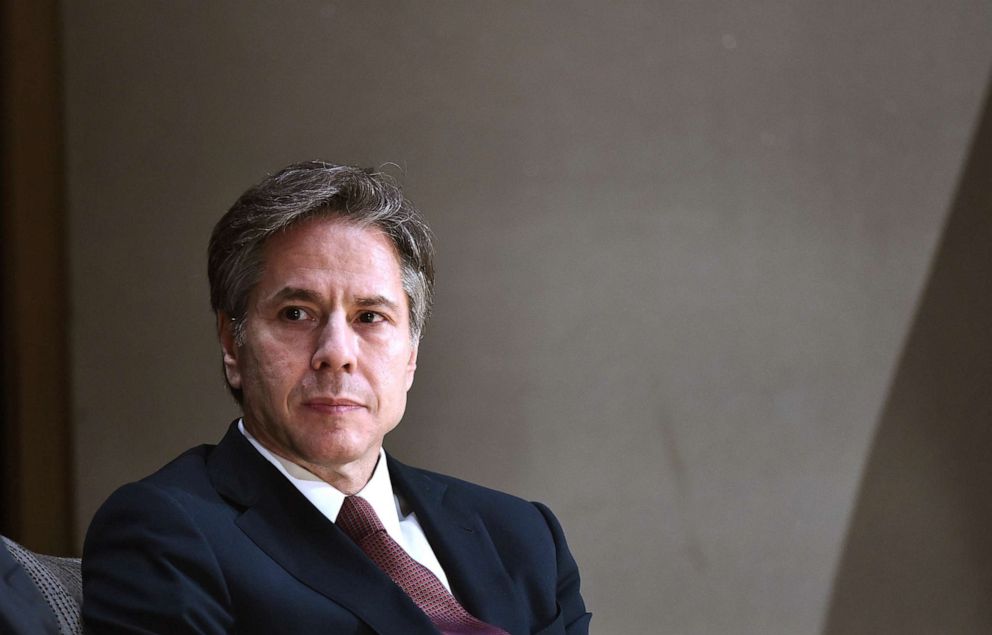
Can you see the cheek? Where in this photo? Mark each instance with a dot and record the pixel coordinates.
(408, 376)
(273, 370)
(396, 374)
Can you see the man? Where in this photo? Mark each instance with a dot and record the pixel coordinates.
(321, 279)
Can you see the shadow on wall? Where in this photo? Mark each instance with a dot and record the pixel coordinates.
(918, 557)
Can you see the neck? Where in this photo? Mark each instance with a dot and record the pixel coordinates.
(348, 479)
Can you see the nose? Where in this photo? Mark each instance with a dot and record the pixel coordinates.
(336, 346)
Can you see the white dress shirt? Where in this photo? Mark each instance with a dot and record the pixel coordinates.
(401, 524)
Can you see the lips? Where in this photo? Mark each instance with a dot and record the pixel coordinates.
(333, 405)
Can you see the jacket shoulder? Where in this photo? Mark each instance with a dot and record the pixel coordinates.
(496, 506)
(189, 469)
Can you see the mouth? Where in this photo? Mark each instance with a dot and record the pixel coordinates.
(333, 405)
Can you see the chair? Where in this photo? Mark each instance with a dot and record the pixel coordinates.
(59, 580)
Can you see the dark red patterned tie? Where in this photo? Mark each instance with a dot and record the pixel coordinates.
(359, 521)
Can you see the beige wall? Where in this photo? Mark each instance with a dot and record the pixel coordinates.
(681, 250)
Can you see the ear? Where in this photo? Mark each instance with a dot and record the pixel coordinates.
(411, 365)
(229, 349)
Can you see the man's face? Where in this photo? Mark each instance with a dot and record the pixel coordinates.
(327, 356)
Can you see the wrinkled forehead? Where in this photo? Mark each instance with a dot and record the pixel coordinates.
(334, 246)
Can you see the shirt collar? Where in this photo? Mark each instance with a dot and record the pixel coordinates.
(328, 500)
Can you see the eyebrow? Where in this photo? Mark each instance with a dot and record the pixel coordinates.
(295, 293)
(308, 295)
(377, 300)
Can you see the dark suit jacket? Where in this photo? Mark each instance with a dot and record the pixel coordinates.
(218, 541)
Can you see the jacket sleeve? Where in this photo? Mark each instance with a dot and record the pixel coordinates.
(572, 609)
(148, 569)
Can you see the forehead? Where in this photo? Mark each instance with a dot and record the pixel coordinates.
(322, 247)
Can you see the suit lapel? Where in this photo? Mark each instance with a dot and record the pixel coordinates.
(462, 544)
(292, 532)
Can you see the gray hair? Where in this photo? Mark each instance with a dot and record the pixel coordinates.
(302, 191)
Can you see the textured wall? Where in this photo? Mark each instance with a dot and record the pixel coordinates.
(918, 558)
(682, 247)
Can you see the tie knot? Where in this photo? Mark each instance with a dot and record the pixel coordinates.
(357, 518)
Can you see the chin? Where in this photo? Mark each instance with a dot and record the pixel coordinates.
(341, 451)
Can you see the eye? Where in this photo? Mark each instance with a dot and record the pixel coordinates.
(294, 314)
(370, 317)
